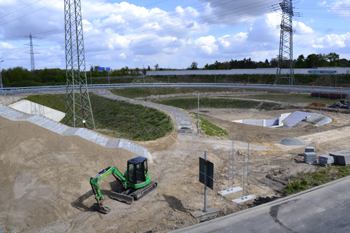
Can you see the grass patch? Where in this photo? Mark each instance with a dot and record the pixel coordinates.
(290, 98)
(57, 102)
(145, 92)
(209, 128)
(216, 103)
(322, 175)
(118, 118)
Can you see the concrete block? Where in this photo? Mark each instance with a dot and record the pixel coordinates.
(310, 149)
(244, 199)
(325, 159)
(344, 160)
(202, 216)
(230, 191)
(337, 154)
(104, 141)
(310, 157)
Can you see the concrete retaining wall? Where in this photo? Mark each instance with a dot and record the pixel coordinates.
(32, 108)
(320, 71)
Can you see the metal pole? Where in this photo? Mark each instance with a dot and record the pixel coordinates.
(247, 171)
(205, 183)
(198, 112)
(230, 165)
(248, 79)
(168, 75)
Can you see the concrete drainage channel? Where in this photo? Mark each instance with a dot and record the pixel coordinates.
(14, 115)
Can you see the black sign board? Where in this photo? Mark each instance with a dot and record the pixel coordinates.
(209, 172)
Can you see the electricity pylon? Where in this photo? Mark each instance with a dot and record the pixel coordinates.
(78, 105)
(32, 63)
(285, 55)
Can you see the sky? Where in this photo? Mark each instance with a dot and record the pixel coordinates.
(170, 33)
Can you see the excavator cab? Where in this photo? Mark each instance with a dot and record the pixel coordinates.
(137, 170)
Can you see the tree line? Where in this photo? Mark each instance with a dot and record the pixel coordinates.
(312, 60)
(21, 77)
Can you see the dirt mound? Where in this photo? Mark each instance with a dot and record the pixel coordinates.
(316, 105)
(43, 174)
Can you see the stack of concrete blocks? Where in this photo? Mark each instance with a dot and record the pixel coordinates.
(325, 159)
(341, 157)
(310, 156)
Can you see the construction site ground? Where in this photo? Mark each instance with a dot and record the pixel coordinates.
(44, 177)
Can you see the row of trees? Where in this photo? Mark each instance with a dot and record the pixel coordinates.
(312, 60)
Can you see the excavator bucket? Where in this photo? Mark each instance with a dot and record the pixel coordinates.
(101, 208)
(122, 197)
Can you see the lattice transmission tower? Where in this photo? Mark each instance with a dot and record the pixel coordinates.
(285, 55)
(78, 105)
(31, 52)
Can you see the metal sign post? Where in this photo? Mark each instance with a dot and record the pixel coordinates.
(245, 174)
(206, 176)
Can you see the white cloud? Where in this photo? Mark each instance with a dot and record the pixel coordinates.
(207, 44)
(341, 8)
(122, 56)
(234, 12)
(333, 40)
(301, 29)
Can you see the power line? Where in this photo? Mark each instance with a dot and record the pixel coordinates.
(19, 9)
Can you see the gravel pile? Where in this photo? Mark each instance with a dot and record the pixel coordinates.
(292, 142)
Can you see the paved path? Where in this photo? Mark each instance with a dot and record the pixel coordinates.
(14, 115)
(183, 121)
(322, 209)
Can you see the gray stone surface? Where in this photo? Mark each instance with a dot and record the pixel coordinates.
(292, 142)
(310, 157)
(325, 159)
(295, 118)
(202, 216)
(310, 149)
(183, 121)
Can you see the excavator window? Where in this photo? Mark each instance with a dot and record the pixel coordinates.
(140, 176)
(145, 166)
(131, 172)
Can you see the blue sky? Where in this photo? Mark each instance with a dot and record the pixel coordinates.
(170, 33)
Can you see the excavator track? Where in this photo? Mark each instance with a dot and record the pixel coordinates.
(138, 194)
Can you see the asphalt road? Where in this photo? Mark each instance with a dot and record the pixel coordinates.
(325, 208)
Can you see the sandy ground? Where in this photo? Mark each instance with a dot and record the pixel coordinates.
(44, 177)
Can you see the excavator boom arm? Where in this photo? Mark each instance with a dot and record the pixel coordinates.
(102, 174)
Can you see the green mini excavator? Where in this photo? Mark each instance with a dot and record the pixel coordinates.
(134, 184)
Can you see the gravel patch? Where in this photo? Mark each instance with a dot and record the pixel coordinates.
(292, 142)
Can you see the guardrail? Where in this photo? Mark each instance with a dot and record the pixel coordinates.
(18, 90)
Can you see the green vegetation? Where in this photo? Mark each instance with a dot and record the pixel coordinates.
(145, 92)
(210, 129)
(289, 98)
(57, 102)
(118, 118)
(216, 103)
(322, 175)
